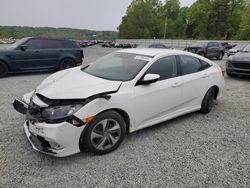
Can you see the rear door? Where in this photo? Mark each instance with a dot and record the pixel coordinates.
(213, 49)
(52, 50)
(156, 101)
(195, 76)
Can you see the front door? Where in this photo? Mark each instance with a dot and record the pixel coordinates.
(154, 102)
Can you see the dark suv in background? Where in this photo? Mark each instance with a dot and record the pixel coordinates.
(207, 49)
(37, 54)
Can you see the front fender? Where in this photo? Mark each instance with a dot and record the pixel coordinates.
(98, 106)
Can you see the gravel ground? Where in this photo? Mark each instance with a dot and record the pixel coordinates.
(194, 150)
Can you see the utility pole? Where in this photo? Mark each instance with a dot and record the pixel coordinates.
(165, 28)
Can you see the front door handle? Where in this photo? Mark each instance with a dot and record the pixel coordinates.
(176, 84)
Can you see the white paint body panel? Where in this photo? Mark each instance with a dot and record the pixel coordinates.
(145, 105)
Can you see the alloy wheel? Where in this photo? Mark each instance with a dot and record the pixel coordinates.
(105, 134)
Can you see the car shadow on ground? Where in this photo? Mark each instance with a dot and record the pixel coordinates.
(30, 73)
(130, 137)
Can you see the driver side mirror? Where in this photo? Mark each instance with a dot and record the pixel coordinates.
(149, 79)
(23, 47)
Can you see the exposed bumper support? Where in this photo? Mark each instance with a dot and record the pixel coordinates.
(20, 106)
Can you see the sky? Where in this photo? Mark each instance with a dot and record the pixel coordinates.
(81, 14)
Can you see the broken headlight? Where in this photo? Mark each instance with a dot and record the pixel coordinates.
(60, 112)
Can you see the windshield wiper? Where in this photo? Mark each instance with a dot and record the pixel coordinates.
(84, 67)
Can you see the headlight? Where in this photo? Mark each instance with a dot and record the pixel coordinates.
(60, 112)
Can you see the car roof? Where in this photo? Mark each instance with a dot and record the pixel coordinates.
(154, 51)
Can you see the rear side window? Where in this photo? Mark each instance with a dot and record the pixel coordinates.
(48, 44)
(69, 44)
(213, 44)
(166, 67)
(204, 64)
(190, 64)
(34, 44)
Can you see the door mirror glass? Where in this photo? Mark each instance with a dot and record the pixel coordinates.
(150, 78)
(23, 47)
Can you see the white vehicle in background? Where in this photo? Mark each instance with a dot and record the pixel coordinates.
(95, 106)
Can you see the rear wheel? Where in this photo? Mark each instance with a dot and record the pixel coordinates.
(105, 133)
(3, 69)
(66, 64)
(208, 101)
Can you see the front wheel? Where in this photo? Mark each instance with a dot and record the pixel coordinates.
(3, 69)
(105, 133)
(208, 101)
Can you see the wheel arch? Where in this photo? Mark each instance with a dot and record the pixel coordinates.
(5, 62)
(124, 115)
(216, 90)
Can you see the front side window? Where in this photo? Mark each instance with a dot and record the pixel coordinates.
(34, 44)
(190, 64)
(166, 67)
(118, 66)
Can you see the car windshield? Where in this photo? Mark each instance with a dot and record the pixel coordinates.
(247, 48)
(118, 66)
(199, 44)
(19, 42)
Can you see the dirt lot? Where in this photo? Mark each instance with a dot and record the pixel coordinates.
(194, 150)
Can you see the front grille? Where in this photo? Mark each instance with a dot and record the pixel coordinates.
(241, 65)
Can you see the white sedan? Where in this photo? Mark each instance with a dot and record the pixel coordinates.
(95, 106)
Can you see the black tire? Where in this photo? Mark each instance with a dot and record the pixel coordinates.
(3, 69)
(66, 63)
(208, 101)
(98, 140)
(220, 57)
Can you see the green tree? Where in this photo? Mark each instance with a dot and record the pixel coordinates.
(198, 16)
(141, 20)
(244, 31)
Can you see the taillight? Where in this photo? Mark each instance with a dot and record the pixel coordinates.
(81, 52)
(222, 70)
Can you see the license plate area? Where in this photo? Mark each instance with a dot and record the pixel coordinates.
(34, 128)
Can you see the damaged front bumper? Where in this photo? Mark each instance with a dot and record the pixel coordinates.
(57, 139)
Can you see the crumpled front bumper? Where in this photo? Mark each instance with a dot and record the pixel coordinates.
(57, 139)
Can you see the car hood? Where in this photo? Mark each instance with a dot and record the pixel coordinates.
(241, 56)
(4, 48)
(75, 84)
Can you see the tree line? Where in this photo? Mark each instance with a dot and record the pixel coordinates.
(17, 32)
(204, 19)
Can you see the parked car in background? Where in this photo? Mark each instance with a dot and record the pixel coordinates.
(236, 49)
(37, 54)
(239, 64)
(227, 46)
(95, 106)
(207, 49)
(156, 45)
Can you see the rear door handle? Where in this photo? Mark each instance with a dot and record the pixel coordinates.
(176, 84)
